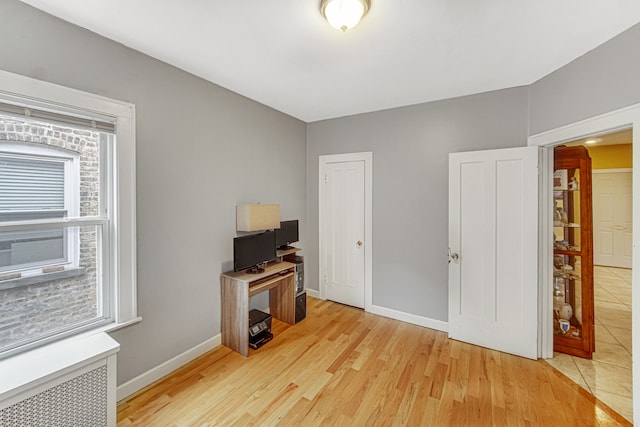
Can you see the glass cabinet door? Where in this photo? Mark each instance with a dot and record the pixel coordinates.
(567, 296)
(573, 253)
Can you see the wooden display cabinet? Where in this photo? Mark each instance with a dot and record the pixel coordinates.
(573, 307)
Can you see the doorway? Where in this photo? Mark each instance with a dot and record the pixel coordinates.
(608, 376)
(345, 194)
(626, 118)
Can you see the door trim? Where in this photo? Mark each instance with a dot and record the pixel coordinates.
(624, 118)
(367, 158)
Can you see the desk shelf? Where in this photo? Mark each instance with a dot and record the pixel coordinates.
(268, 284)
(280, 253)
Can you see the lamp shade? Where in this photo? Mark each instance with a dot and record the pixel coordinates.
(256, 217)
(344, 14)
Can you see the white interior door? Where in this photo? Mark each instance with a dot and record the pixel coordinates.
(612, 218)
(493, 238)
(343, 242)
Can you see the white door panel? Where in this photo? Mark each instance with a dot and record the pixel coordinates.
(612, 223)
(493, 226)
(343, 232)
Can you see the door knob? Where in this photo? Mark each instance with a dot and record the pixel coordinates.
(454, 256)
(359, 243)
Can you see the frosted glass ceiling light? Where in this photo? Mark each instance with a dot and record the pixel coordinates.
(344, 14)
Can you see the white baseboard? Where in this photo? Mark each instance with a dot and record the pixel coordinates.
(313, 293)
(141, 381)
(438, 325)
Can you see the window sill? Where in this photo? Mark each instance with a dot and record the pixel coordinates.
(40, 278)
(100, 327)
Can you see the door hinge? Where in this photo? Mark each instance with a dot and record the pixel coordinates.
(325, 178)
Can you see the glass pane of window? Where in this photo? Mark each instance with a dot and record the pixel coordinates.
(57, 298)
(32, 248)
(47, 166)
(47, 171)
(28, 184)
(25, 248)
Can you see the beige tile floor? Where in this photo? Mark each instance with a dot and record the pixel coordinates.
(608, 375)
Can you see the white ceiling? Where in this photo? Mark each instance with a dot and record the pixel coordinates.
(283, 53)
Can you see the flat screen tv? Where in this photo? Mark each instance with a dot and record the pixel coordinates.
(250, 251)
(287, 233)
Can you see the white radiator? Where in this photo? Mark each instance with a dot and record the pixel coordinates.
(66, 384)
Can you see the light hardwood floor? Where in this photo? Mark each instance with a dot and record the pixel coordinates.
(609, 375)
(343, 367)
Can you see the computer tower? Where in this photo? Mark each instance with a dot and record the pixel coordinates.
(301, 307)
(299, 274)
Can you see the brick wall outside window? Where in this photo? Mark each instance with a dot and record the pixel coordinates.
(28, 309)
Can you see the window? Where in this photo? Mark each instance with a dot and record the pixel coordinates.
(37, 183)
(67, 213)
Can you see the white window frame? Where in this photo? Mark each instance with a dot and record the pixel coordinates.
(71, 163)
(121, 274)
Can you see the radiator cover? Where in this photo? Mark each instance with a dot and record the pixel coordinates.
(81, 394)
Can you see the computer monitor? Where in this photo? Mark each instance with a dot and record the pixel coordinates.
(287, 233)
(250, 251)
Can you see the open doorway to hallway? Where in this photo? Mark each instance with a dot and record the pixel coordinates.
(608, 376)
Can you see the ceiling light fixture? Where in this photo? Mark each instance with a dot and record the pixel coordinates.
(344, 14)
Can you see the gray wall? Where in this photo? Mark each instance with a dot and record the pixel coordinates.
(410, 148)
(603, 80)
(201, 149)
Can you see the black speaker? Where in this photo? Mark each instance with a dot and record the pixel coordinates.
(301, 307)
